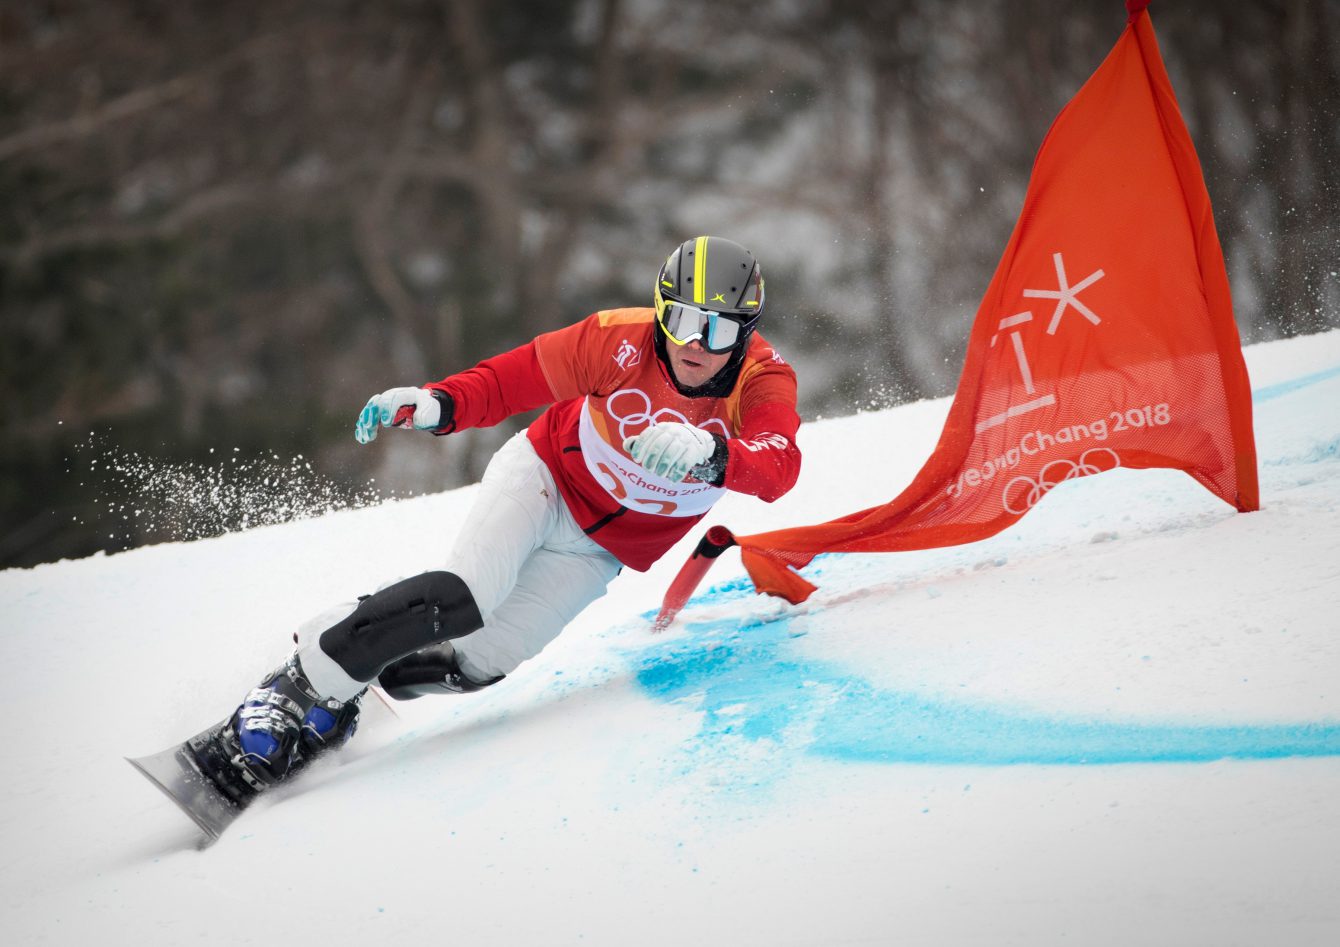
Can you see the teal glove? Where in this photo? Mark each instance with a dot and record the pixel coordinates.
(398, 407)
(671, 449)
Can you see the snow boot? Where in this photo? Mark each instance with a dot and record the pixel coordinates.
(256, 747)
(433, 670)
(328, 726)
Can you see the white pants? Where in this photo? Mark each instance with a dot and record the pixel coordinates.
(528, 564)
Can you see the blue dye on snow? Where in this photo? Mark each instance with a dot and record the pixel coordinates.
(749, 683)
(1271, 392)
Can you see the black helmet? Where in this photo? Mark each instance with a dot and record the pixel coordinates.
(706, 278)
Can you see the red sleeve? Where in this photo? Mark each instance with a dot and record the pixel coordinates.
(764, 460)
(584, 358)
(497, 388)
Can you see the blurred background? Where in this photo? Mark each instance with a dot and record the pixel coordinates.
(223, 226)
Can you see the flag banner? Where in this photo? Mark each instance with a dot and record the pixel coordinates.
(1105, 339)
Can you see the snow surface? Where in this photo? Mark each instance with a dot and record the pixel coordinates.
(1117, 722)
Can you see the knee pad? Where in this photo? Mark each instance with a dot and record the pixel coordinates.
(399, 620)
(430, 671)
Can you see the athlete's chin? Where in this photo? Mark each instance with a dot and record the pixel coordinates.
(691, 371)
(692, 377)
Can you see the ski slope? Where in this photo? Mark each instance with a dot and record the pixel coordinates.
(1117, 722)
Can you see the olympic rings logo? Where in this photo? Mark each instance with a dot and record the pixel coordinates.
(1048, 477)
(641, 416)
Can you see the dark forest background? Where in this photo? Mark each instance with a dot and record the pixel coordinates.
(224, 225)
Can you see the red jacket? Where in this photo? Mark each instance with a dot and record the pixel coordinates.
(605, 383)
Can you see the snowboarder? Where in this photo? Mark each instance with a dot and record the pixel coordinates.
(655, 413)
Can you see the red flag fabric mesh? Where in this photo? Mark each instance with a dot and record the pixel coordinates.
(1106, 338)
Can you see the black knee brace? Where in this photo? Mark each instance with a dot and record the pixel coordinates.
(430, 671)
(399, 620)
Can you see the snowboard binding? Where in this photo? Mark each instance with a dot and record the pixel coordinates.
(281, 726)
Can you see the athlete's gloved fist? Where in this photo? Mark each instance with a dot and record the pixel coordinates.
(671, 449)
(399, 407)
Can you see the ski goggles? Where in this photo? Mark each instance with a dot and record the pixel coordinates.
(718, 332)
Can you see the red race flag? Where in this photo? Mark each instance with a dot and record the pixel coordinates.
(1106, 339)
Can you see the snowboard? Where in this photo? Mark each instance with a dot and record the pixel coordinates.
(179, 777)
(177, 774)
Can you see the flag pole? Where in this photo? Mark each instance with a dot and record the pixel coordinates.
(714, 542)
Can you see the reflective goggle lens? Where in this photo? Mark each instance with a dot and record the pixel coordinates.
(717, 331)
